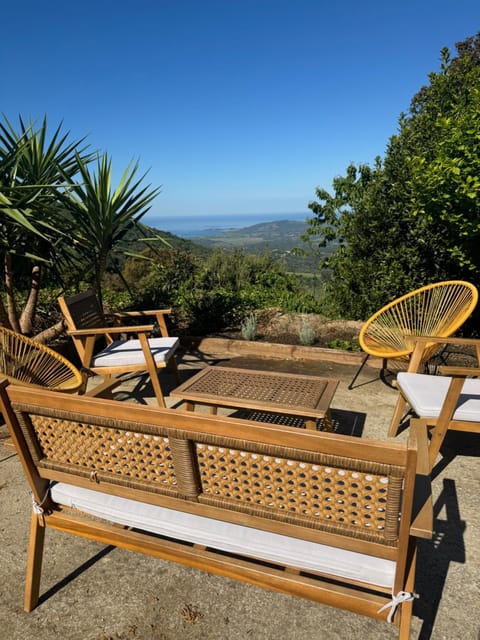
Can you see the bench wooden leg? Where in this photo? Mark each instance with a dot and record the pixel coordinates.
(407, 607)
(34, 562)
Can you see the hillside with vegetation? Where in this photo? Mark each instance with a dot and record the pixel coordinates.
(410, 219)
(283, 239)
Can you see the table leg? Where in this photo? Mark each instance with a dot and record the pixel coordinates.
(310, 424)
(327, 421)
(189, 406)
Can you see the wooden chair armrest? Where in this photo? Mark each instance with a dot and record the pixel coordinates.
(446, 370)
(105, 330)
(133, 314)
(158, 313)
(420, 343)
(440, 340)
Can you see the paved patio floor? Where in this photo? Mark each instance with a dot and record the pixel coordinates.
(93, 592)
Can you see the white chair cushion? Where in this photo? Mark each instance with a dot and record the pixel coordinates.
(426, 395)
(129, 352)
(226, 536)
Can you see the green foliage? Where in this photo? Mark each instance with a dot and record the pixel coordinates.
(33, 229)
(103, 214)
(215, 292)
(248, 327)
(344, 345)
(306, 334)
(413, 217)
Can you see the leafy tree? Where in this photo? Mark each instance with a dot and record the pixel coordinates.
(413, 217)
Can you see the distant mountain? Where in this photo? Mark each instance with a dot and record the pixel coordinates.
(281, 235)
(279, 238)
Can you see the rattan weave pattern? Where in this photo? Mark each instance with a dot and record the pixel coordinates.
(96, 448)
(325, 493)
(433, 310)
(27, 362)
(276, 418)
(260, 387)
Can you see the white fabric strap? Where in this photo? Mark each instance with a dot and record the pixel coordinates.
(37, 507)
(402, 596)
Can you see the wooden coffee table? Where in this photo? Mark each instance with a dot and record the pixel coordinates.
(264, 392)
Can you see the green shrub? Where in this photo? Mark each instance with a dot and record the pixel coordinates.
(249, 327)
(306, 334)
(344, 345)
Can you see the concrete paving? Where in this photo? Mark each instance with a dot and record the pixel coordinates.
(93, 592)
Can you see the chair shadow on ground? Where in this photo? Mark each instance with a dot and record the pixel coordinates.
(456, 443)
(75, 573)
(435, 556)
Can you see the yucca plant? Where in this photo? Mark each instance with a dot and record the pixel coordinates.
(102, 214)
(33, 166)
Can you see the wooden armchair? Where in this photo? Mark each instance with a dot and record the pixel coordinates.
(447, 401)
(87, 323)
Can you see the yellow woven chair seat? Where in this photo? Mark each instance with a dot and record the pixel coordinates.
(433, 310)
(437, 309)
(27, 362)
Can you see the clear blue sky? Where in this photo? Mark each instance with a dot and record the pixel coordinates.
(234, 106)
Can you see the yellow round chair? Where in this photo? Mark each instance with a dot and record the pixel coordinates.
(29, 363)
(437, 309)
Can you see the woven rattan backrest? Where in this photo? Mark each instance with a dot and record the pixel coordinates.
(25, 361)
(275, 475)
(434, 310)
(82, 311)
(335, 493)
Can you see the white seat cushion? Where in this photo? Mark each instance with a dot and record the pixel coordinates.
(129, 352)
(228, 537)
(426, 395)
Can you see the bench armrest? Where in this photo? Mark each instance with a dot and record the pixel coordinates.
(422, 513)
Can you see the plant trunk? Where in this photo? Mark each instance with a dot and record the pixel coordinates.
(99, 272)
(11, 306)
(27, 317)
(4, 320)
(47, 335)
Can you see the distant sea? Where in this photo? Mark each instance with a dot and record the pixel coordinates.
(210, 225)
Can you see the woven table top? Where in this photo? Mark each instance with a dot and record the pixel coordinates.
(294, 394)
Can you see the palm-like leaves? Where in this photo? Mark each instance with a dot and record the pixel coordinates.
(33, 166)
(104, 214)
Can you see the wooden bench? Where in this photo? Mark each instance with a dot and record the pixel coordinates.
(326, 517)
